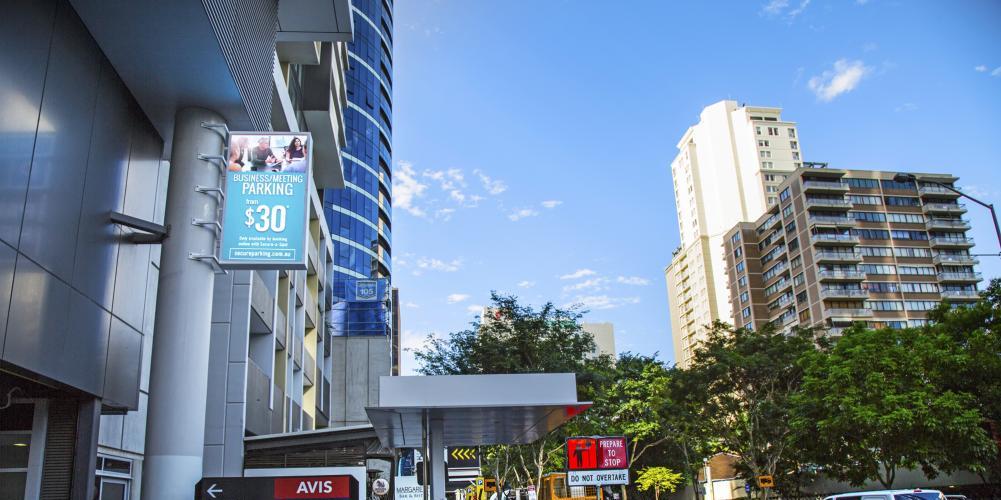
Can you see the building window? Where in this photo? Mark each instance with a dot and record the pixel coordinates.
(792, 132)
(749, 326)
(743, 297)
(865, 200)
(861, 183)
(804, 316)
(766, 154)
(795, 155)
(742, 281)
(757, 130)
(793, 145)
(773, 131)
(767, 164)
(787, 210)
(784, 195)
(769, 177)
(798, 279)
(771, 189)
(772, 200)
(886, 305)
(113, 479)
(902, 201)
(737, 252)
(796, 262)
(763, 143)
(740, 267)
(735, 238)
(746, 312)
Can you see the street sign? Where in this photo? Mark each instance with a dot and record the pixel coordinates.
(266, 207)
(279, 488)
(766, 481)
(380, 486)
(596, 461)
(612, 453)
(597, 477)
(581, 454)
(463, 457)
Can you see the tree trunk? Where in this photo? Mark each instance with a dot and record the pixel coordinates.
(656, 493)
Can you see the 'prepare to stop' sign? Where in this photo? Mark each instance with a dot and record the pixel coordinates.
(612, 453)
(582, 454)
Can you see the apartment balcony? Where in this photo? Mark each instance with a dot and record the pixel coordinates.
(948, 224)
(834, 239)
(944, 208)
(951, 242)
(847, 314)
(955, 260)
(840, 275)
(829, 204)
(784, 301)
(835, 256)
(831, 220)
(951, 277)
(961, 294)
(843, 293)
(825, 187)
(937, 192)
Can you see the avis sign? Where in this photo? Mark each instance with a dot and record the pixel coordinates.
(338, 487)
(596, 461)
(265, 214)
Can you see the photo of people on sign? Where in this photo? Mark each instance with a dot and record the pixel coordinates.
(268, 153)
(267, 195)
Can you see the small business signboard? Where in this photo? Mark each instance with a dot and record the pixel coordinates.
(266, 211)
(339, 487)
(597, 461)
(766, 481)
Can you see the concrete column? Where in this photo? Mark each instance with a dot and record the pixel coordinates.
(88, 424)
(436, 443)
(175, 425)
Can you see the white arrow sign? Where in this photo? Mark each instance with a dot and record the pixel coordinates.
(213, 490)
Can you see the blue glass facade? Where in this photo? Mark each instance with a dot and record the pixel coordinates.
(360, 215)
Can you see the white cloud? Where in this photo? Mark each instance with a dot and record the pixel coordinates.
(580, 273)
(598, 302)
(907, 106)
(526, 284)
(552, 203)
(843, 77)
(407, 189)
(980, 68)
(632, 280)
(780, 8)
(456, 297)
(493, 186)
(521, 214)
(594, 284)
(432, 264)
(411, 305)
(474, 309)
(444, 214)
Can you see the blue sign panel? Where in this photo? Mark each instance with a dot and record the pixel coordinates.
(266, 215)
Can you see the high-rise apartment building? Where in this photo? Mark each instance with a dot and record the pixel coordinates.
(728, 168)
(360, 219)
(604, 337)
(846, 246)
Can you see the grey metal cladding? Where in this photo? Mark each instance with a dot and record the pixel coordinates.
(121, 379)
(36, 324)
(7, 259)
(104, 190)
(51, 211)
(25, 35)
(246, 30)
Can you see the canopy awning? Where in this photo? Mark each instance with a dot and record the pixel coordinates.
(474, 409)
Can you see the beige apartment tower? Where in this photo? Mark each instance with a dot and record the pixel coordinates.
(846, 246)
(728, 169)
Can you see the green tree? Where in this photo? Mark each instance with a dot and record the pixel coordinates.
(873, 404)
(658, 478)
(747, 378)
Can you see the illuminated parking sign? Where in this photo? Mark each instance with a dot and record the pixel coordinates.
(266, 215)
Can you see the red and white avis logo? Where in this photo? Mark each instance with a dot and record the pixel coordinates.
(317, 487)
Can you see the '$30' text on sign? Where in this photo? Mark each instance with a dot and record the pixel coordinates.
(266, 218)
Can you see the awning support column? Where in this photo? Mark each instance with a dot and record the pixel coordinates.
(436, 438)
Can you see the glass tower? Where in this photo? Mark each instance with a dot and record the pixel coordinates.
(360, 214)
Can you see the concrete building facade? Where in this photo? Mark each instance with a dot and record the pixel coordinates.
(604, 337)
(846, 246)
(728, 168)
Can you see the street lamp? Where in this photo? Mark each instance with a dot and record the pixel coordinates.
(903, 177)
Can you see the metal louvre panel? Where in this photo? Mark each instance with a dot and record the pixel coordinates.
(60, 441)
(246, 30)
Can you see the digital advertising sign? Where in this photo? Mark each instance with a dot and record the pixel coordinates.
(266, 211)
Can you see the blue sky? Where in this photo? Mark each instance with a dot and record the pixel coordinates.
(533, 139)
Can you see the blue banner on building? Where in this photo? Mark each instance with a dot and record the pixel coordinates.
(266, 212)
(359, 307)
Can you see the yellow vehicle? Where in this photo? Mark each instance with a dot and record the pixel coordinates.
(554, 487)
